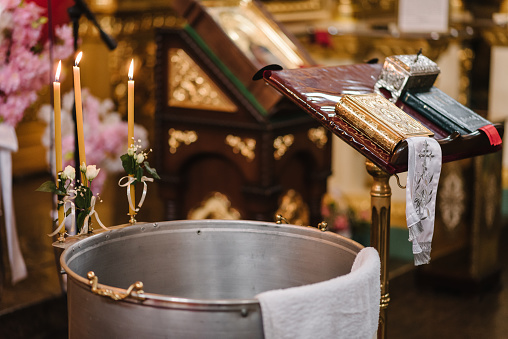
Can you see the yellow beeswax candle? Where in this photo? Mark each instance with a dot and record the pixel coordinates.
(79, 112)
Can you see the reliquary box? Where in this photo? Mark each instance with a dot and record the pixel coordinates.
(403, 72)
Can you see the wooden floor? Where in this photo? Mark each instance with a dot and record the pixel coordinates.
(36, 307)
(420, 311)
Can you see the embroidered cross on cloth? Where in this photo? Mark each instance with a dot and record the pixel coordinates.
(424, 169)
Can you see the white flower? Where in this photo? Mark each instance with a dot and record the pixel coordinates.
(83, 168)
(91, 172)
(140, 158)
(69, 173)
(131, 150)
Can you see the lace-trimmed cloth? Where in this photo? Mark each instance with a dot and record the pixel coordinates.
(424, 169)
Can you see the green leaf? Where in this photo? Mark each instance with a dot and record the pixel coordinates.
(151, 171)
(83, 198)
(50, 186)
(128, 164)
(139, 173)
(81, 219)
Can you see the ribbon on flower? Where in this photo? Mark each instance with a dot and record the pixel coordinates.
(130, 181)
(66, 200)
(84, 230)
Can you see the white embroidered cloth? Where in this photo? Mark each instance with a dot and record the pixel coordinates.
(424, 169)
(8, 144)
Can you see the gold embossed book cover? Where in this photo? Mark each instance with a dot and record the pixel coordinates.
(379, 120)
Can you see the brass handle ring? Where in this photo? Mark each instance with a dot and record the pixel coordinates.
(93, 280)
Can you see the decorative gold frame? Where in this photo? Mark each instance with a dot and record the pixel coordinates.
(252, 30)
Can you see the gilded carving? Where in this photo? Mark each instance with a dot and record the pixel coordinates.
(216, 206)
(318, 136)
(294, 6)
(245, 147)
(133, 31)
(466, 56)
(190, 87)
(293, 208)
(176, 138)
(281, 144)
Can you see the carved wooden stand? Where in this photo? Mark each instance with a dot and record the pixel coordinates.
(380, 233)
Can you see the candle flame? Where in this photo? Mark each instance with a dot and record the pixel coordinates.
(131, 70)
(58, 69)
(78, 58)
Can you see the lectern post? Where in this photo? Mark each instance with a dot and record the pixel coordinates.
(381, 194)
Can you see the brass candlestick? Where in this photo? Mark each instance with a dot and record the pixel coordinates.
(380, 233)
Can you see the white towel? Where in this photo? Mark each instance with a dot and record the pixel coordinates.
(343, 307)
(424, 169)
(8, 144)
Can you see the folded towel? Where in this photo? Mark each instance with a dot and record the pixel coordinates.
(424, 170)
(343, 307)
(8, 144)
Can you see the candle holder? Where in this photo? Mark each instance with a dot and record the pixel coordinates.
(132, 221)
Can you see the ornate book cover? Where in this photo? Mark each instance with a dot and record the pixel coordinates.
(379, 119)
(444, 111)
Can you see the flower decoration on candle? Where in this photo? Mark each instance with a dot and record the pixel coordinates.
(85, 199)
(63, 188)
(79, 198)
(134, 163)
(25, 56)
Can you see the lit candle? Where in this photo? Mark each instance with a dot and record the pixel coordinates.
(58, 119)
(130, 106)
(79, 112)
(58, 137)
(130, 129)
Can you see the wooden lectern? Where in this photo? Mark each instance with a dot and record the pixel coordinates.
(317, 90)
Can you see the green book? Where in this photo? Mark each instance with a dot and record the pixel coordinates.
(444, 111)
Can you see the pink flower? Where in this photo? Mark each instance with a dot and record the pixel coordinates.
(325, 211)
(341, 223)
(24, 63)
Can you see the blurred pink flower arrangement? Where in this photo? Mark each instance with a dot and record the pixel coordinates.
(105, 134)
(345, 220)
(24, 58)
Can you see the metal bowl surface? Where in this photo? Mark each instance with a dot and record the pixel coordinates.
(200, 277)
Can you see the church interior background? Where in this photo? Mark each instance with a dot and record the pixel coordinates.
(468, 271)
